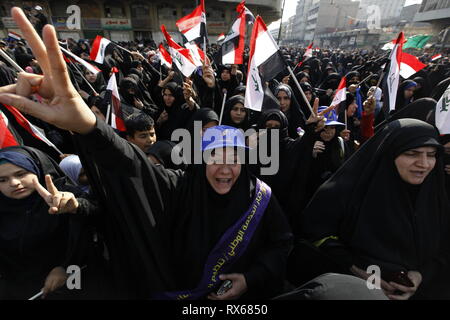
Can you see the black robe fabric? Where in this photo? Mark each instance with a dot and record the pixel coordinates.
(377, 218)
(163, 223)
(33, 242)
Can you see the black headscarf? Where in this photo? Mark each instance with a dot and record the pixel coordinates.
(401, 102)
(162, 151)
(295, 115)
(367, 195)
(33, 242)
(425, 89)
(244, 125)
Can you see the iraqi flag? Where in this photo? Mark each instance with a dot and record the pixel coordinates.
(196, 53)
(442, 114)
(114, 105)
(29, 133)
(193, 25)
(14, 36)
(181, 56)
(99, 48)
(265, 62)
(93, 69)
(436, 57)
(234, 43)
(309, 51)
(221, 37)
(392, 74)
(410, 65)
(7, 138)
(340, 95)
(165, 57)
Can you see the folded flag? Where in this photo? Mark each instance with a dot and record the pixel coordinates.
(442, 114)
(341, 94)
(436, 57)
(193, 25)
(114, 105)
(410, 65)
(392, 74)
(165, 57)
(83, 62)
(265, 62)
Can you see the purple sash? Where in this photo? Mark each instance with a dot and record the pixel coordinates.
(227, 251)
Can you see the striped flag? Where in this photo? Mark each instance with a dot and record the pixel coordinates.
(442, 114)
(221, 37)
(196, 53)
(93, 69)
(181, 56)
(165, 57)
(436, 57)
(34, 131)
(114, 105)
(308, 52)
(410, 65)
(193, 25)
(392, 76)
(7, 138)
(14, 36)
(265, 62)
(234, 43)
(341, 94)
(98, 49)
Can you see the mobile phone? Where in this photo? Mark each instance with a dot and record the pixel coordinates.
(400, 277)
(226, 285)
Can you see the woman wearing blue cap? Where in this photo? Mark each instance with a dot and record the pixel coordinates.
(181, 233)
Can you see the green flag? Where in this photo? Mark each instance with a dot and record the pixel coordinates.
(417, 41)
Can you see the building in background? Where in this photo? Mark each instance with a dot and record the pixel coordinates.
(128, 20)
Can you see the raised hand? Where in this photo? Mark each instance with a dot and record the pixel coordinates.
(64, 107)
(317, 117)
(59, 202)
(208, 75)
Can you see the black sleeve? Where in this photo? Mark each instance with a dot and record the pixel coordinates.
(265, 277)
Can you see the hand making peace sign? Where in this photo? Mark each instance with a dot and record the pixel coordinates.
(59, 202)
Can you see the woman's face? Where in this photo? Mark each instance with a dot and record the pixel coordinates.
(225, 75)
(273, 124)
(16, 182)
(352, 109)
(328, 133)
(223, 170)
(409, 92)
(414, 165)
(308, 95)
(304, 79)
(238, 113)
(168, 97)
(91, 77)
(285, 101)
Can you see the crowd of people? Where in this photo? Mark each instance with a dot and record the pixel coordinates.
(357, 186)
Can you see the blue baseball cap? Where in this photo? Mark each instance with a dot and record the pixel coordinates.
(222, 137)
(330, 117)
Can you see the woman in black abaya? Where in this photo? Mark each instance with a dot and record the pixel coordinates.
(291, 108)
(234, 113)
(387, 207)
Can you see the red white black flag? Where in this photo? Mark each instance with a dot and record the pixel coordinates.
(193, 25)
(114, 105)
(98, 49)
(392, 77)
(265, 62)
(234, 42)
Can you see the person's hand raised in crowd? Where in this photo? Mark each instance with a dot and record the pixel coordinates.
(59, 202)
(286, 79)
(188, 93)
(238, 288)
(137, 56)
(65, 107)
(317, 117)
(345, 134)
(138, 103)
(55, 280)
(208, 75)
(369, 105)
(163, 117)
(319, 147)
(162, 83)
(352, 88)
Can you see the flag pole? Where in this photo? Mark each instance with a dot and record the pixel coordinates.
(345, 119)
(223, 106)
(300, 89)
(11, 61)
(281, 23)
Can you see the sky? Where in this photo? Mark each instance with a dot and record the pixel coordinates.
(290, 5)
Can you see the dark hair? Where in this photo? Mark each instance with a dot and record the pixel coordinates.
(138, 122)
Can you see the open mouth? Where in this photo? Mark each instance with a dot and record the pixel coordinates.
(223, 182)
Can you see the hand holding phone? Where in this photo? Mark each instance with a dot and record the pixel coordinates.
(226, 285)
